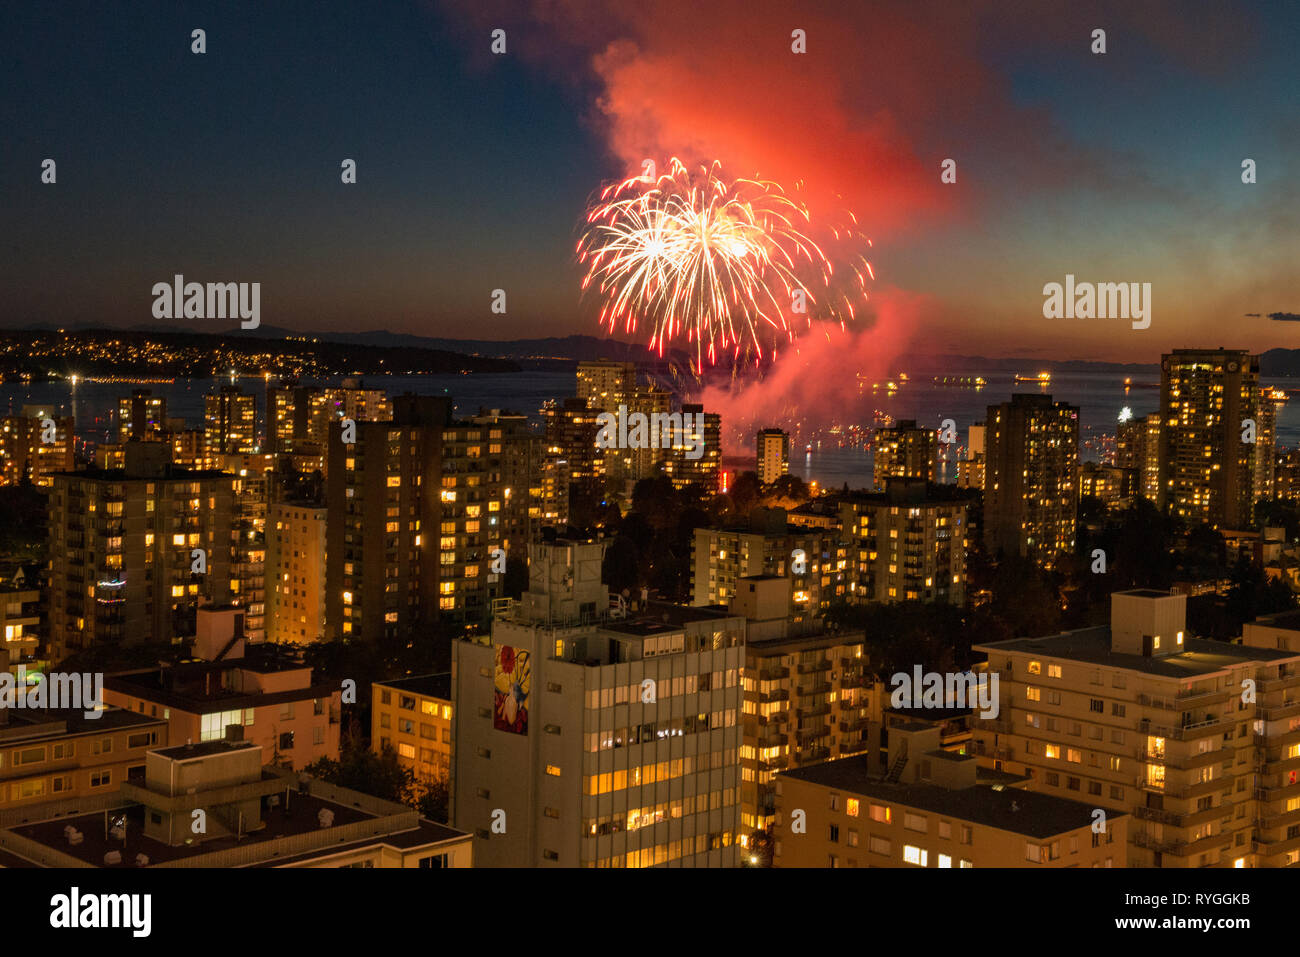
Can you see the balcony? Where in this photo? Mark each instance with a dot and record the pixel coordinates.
(822, 687)
(813, 712)
(1276, 684)
(1187, 732)
(809, 669)
(1161, 816)
(773, 674)
(812, 734)
(1287, 709)
(1142, 839)
(810, 755)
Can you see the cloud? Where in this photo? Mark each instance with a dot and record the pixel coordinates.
(1284, 316)
(825, 377)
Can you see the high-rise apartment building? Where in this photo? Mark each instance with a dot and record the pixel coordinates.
(598, 741)
(1216, 438)
(970, 470)
(1277, 815)
(142, 416)
(548, 495)
(35, 444)
(605, 383)
(382, 494)
(125, 545)
(288, 410)
(773, 455)
(484, 511)
(809, 697)
(252, 486)
(907, 543)
(295, 572)
(695, 456)
(571, 430)
(20, 614)
(230, 421)
(299, 418)
(1137, 447)
(349, 400)
(1111, 484)
(1031, 481)
(1197, 740)
(904, 451)
(815, 561)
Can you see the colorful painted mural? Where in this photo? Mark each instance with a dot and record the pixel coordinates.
(514, 679)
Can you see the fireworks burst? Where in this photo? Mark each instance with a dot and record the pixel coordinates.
(729, 264)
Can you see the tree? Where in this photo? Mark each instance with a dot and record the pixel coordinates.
(788, 491)
(745, 492)
(435, 798)
(360, 769)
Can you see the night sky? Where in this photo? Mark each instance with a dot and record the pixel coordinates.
(474, 169)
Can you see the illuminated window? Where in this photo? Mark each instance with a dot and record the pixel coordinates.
(851, 807)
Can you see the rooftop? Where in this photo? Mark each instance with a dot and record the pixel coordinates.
(1199, 658)
(1011, 809)
(663, 616)
(295, 814)
(426, 832)
(185, 752)
(431, 686)
(1287, 619)
(196, 686)
(928, 716)
(24, 724)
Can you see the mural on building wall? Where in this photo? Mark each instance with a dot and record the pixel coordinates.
(514, 680)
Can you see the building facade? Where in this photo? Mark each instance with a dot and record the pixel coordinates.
(584, 739)
(1031, 481)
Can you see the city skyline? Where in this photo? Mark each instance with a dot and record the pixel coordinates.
(589, 434)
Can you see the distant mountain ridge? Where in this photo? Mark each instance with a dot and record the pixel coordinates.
(581, 347)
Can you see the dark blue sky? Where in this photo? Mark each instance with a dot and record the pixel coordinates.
(226, 166)
(473, 170)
